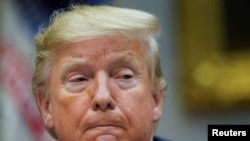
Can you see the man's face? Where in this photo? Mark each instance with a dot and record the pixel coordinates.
(100, 90)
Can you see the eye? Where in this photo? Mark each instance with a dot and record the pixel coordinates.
(126, 76)
(77, 78)
(80, 79)
(76, 82)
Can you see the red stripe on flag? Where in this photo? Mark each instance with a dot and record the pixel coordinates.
(16, 77)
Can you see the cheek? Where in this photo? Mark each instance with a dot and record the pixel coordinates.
(141, 100)
(66, 103)
(68, 109)
(137, 106)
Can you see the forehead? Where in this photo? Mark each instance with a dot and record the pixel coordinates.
(102, 46)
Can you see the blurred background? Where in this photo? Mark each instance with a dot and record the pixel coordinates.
(205, 54)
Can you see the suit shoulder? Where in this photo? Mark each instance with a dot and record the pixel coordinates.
(157, 138)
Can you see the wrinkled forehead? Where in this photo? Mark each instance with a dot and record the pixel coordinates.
(93, 48)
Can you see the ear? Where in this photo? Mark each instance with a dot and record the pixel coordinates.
(44, 105)
(158, 97)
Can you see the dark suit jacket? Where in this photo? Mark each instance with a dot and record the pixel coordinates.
(157, 138)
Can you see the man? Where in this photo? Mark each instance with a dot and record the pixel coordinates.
(98, 75)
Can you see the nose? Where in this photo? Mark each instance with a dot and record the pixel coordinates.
(102, 99)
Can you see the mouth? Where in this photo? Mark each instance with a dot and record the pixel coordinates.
(106, 124)
(107, 127)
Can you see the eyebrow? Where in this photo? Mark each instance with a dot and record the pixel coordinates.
(73, 64)
(127, 58)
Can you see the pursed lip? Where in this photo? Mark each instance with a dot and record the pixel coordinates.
(104, 126)
(104, 122)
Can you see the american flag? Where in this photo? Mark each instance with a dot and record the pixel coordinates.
(17, 70)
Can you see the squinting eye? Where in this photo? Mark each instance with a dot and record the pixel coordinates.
(127, 76)
(77, 78)
(124, 74)
(76, 82)
(80, 79)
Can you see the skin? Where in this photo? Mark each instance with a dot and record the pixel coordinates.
(100, 90)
